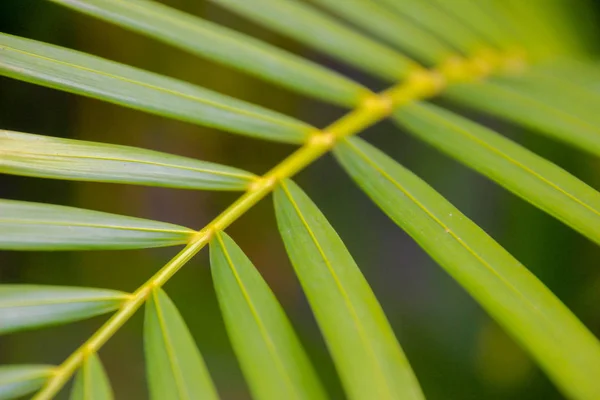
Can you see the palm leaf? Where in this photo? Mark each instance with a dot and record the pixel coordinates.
(18, 380)
(568, 352)
(84, 74)
(365, 351)
(267, 348)
(91, 382)
(519, 170)
(37, 226)
(31, 306)
(47, 157)
(224, 45)
(309, 26)
(174, 365)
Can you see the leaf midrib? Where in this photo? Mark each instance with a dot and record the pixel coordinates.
(264, 332)
(157, 88)
(350, 306)
(177, 373)
(248, 177)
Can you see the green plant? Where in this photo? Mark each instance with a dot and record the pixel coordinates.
(524, 65)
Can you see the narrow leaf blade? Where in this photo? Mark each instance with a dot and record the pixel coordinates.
(269, 352)
(175, 368)
(369, 360)
(310, 26)
(19, 380)
(224, 45)
(568, 352)
(25, 307)
(521, 171)
(37, 226)
(495, 99)
(91, 382)
(48, 157)
(91, 76)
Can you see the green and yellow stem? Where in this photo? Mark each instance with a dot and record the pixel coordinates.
(420, 84)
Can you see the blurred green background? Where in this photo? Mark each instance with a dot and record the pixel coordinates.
(457, 351)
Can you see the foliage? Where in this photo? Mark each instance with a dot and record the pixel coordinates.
(520, 61)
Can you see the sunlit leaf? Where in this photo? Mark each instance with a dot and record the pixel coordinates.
(520, 107)
(224, 45)
(18, 380)
(84, 74)
(48, 157)
(564, 348)
(33, 306)
(519, 170)
(271, 357)
(369, 360)
(311, 27)
(91, 382)
(398, 31)
(175, 368)
(37, 226)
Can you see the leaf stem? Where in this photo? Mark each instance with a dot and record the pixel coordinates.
(420, 84)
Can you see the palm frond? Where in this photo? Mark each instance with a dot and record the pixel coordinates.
(521, 61)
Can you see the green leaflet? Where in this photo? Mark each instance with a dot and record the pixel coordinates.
(18, 380)
(526, 174)
(443, 25)
(524, 108)
(91, 382)
(48, 157)
(174, 365)
(396, 30)
(368, 358)
(25, 307)
(311, 27)
(38, 226)
(224, 45)
(269, 352)
(84, 74)
(568, 352)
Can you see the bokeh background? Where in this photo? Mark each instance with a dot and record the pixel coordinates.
(457, 351)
